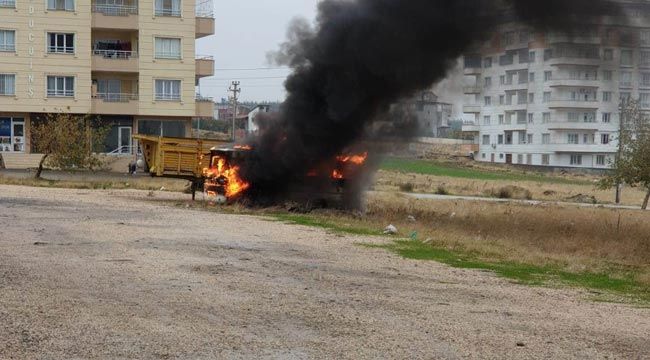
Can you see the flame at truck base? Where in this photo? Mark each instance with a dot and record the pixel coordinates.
(223, 179)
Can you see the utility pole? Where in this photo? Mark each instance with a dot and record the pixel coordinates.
(235, 90)
(621, 128)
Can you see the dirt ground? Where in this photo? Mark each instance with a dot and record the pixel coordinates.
(113, 275)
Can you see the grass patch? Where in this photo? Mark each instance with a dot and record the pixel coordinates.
(449, 170)
(527, 274)
(307, 220)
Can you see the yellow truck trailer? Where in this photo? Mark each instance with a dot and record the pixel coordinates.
(179, 158)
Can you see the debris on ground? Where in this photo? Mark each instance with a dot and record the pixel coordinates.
(411, 218)
(390, 230)
(583, 199)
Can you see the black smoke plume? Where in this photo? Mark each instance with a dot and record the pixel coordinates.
(363, 55)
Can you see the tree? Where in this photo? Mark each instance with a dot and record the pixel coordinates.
(68, 141)
(632, 164)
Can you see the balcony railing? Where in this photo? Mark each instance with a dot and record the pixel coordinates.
(115, 10)
(8, 4)
(174, 55)
(168, 97)
(204, 57)
(199, 98)
(60, 49)
(8, 47)
(60, 93)
(116, 97)
(204, 9)
(116, 54)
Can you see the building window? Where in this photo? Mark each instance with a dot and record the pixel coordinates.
(573, 117)
(7, 84)
(508, 38)
(520, 158)
(8, 4)
(625, 96)
(502, 99)
(600, 160)
(486, 120)
(547, 97)
(608, 54)
(8, 40)
(546, 159)
(483, 156)
(501, 156)
(644, 100)
(530, 139)
(487, 62)
(169, 8)
(502, 79)
(529, 159)
(644, 37)
(644, 58)
(607, 117)
(60, 43)
(548, 75)
(576, 159)
(604, 139)
(501, 120)
(531, 118)
(645, 79)
(488, 100)
(627, 57)
(607, 96)
(65, 5)
(531, 77)
(531, 57)
(626, 79)
(168, 48)
(531, 98)
(522, 138)
(168, 90)
(500, 139)
(487, 82)
(546, 139)
(60, 86)
(546, 117)
(573, 139)
(486, 139)
(607, 75)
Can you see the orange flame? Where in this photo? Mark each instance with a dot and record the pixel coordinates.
(234, 185)
(359, 159)
(337, 174)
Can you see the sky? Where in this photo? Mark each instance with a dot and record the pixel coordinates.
(245, 31)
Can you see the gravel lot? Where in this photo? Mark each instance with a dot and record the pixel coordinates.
(111, 275)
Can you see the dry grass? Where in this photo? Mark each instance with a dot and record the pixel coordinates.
(394, 181)
(140, 183)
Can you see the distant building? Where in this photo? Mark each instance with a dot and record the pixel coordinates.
(253, 126)
(432, 116)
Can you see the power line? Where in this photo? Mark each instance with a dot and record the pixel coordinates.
(254, 69)
(244, 78)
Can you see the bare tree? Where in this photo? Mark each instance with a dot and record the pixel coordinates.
(632, 164)
(68, 141)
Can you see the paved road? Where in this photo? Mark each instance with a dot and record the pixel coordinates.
(120, 275)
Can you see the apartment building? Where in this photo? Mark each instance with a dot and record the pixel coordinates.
(550, 99)
(131, 62)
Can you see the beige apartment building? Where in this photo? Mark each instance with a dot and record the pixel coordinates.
(131, 62)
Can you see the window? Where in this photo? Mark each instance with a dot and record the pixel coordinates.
(8, 40)
(60, 43)
(502, 79)
(573, 139)
(607, 117)
(172, 8)
(531, 98)
(7, 4)
(486, 139)
(644, 58)
(7, 84)
(588, 139)
(522, 138)
(65, 5)
(529, 140)
(508, 38)
(501, 120)
(60, 86)
(548, 54)
(600, 160)
(546, 159)
(607, 96)
(547, 97)
(607, 75)
(488, 101)
(520, 158)
(168, 48)
(168, 90)
(608, 54)
(546, 117)
(529, 159)
(644, 37)
(625, 96)
(576, 159)
(487, 82)
(573, 117)
(500, 139)
(626, 79)
(645, 79)
(502, 99)
(486, 120)
(531, 57)
(487, 62)
(604, 139)
(644, 100)
(627, 57)
(548, 75)
(483, 156)
(531, 118)
(531, 77)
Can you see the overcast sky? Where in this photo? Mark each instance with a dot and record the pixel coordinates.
(245, 30)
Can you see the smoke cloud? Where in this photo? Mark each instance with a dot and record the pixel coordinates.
(363, 55)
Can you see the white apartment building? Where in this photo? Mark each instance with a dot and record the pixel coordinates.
(548, 99)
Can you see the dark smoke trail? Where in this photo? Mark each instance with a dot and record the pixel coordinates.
(364, 55)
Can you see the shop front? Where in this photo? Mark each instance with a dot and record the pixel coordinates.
(12, 134)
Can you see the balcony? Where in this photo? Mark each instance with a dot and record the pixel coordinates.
(204, 14)
(472, 90)
(471, 109)
(204, 66)
(582, 148)
(591, 39)
(568, 82)
(573, 104)
(115, 17)
(567, 60)
(115, 104)
(473, 70)
(574, 125)
(204, 107)
(470, 126)
(115, 61)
